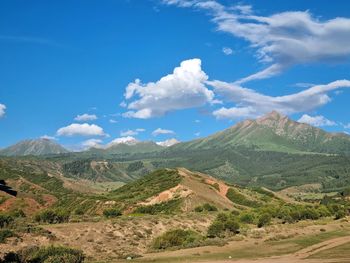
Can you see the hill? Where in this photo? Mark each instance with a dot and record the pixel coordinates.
(34, 147)
(181, 190)
(273, 132)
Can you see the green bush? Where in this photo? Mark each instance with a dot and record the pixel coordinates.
(206, 207)
(224, 223)
(18, 213)
(176, 238)
(247, 217)
(4, 234)
(264, 220)
(112, 212)
(51, 216)
(5, 220)
(238, 198)
(340, 214)
(51, 254)
(161, 208)
(216, 229)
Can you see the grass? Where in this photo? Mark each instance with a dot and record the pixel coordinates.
(342, 251)
(259, 250)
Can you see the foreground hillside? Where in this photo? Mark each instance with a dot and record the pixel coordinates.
(196, 215)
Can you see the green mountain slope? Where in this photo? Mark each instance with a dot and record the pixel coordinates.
(34, 147)
(273, 132)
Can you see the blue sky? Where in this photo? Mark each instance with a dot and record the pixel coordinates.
(61, 59)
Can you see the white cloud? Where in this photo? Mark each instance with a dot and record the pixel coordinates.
(160, 131)
(168, 143)
(84, 129)
(92, 143)
(86, 117)
(123, 140)
(250, 103)
(2, 110)
(227, 51)
(197, 134)
(197, 121)
(113, 121)
(47, 137)
(184, 88)
(317, 121)
(347, 126)
(131, 132)
(281, 40)
(304, 85)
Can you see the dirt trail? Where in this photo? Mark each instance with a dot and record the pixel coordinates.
(306, 252)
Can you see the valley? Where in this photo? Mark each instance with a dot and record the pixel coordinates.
(271, 190)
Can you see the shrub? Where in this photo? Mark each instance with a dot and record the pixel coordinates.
(5, 220)
(52, 216)
(206, 207)
(222, 224)
(238, 198)
(340, 214)
(51, 254)
(216, 229)
(4, 234)
(18, 213)
(112, 212)
(176, 238)
(264, 220)
(309, 213)
(247, 217)
(161, 208)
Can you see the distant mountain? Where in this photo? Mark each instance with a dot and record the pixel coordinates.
(34, 147)
(273, 132)
(128, 147)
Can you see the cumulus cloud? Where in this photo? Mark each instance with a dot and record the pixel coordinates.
(86, 117)
(84, 129)
(227, 51)
(282, 39)
(2, 110)
(184, 88)
(92, 143)
(317, 121)
(131, 132)
(250, 103)
(160, 131)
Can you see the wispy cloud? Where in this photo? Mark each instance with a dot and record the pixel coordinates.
(131, 132)
(250, 103)
(227, 51)
(31, 40)
(317, 121)
(280, 40)
(86, 117)
(47, 137)
(2, 110)
(160, 131)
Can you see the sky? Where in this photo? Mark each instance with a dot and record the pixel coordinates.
(87, 73)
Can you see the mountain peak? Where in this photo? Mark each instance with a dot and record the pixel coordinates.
(275, 115)
(40, 146)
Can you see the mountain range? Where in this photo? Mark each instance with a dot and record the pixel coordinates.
(272, 132)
